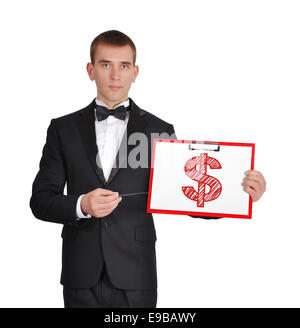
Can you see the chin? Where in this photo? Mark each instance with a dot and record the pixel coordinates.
(117, 97)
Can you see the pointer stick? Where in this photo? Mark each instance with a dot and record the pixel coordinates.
(135, 193)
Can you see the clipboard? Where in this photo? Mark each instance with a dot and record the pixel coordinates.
(179, 182)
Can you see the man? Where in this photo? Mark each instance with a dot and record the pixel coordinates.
(108, 255)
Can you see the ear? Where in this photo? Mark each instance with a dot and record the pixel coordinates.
(90, 71)
(136, 72)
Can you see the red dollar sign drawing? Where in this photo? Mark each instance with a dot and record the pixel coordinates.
(203, 179)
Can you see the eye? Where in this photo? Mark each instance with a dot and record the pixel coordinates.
(124, 66)
(105, 65)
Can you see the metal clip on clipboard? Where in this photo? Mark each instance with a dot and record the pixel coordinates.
(208, 146)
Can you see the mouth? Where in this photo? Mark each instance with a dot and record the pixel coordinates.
(114, 88)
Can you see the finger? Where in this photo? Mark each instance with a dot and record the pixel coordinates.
(107, 199)
(253, 194)
(256, 174)
(109, 205)
(115, 207)
(103, 192)
(255, 179)
(258, 179)
(256, 186)
(102, 213)
(252, 172)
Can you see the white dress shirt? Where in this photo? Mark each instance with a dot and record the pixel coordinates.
(109, 134)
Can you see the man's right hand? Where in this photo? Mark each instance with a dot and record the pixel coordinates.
(99, 202)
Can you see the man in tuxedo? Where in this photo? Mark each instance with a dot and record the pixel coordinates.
(108, 253)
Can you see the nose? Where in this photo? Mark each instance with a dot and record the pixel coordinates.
(114, 73)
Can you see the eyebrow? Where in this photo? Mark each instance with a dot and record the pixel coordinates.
(109, 61)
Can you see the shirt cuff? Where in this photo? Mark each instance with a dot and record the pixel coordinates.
(79, 213)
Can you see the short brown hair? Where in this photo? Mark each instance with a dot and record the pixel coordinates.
(112, 37)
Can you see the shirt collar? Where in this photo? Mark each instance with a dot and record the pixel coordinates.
(125, 103)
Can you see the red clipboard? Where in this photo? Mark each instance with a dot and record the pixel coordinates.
(198, 213)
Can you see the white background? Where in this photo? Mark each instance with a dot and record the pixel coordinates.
(217, 70)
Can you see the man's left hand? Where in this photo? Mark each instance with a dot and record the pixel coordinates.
(254, 184)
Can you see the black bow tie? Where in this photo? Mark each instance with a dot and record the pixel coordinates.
(103, 112)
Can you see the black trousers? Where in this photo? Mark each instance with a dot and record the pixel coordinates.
(105, 295)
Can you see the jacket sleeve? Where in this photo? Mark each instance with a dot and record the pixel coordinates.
(47, 202)
(173, 136)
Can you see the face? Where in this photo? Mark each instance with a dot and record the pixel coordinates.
(113, 73)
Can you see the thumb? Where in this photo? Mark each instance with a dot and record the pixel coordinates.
(104, 192)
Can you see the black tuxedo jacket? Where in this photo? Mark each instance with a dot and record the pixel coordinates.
(125, 239)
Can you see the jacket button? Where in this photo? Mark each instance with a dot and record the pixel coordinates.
(106, 224)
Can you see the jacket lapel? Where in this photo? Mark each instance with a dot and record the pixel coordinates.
(86, 125)
(137, 122)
